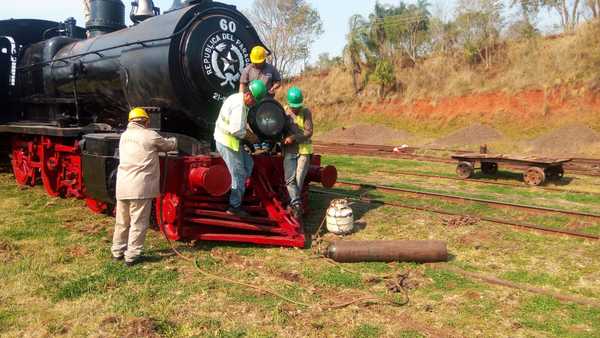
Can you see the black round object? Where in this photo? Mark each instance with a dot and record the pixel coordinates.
(267, 120)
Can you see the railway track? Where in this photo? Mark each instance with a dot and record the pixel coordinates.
(517, 224)
(479, 181)
(579, 165)
(470, 199)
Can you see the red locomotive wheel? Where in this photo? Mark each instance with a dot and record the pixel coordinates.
(50, 165)
(21, 164)
(96, 206)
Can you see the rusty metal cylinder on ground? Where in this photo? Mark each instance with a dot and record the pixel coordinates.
(388, 251)
(327, 176)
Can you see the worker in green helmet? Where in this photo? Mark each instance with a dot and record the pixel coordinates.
(230, 130)
(297, 148)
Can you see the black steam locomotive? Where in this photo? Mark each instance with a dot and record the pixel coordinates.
(180, 64)
(66, 91)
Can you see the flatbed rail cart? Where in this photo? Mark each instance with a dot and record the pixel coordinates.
(536, 170)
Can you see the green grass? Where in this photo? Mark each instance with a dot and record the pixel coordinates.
(58, 278)
(564, 320)
(366, 331)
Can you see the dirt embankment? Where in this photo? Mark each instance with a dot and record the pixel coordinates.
(560, 121)
(476, 134)
(366, 134)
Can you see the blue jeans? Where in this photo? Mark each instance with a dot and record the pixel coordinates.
(240, 165)
(295, 168)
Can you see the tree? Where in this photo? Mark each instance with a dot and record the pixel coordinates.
(479, 24)
(288, 28)
(358, 50)
(384, 75)
(408, 28)
(594, 6)
(569, 10)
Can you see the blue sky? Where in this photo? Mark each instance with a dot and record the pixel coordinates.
(335, 15)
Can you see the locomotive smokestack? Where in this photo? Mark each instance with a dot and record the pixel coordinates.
(104, 16)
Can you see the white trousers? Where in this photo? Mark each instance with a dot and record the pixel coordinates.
(132, 221)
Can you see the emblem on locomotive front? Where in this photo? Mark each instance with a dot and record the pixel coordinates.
(224, 57)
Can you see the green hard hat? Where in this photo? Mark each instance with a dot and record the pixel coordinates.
(258, 90)
(295, 98)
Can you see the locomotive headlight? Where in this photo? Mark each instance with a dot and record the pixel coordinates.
(267, 120)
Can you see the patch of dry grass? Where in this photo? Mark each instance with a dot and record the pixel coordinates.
(58, 280)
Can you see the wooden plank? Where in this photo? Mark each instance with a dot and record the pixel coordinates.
(530, 160)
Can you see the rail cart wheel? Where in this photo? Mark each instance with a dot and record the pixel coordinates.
(465, 170)
(534, 176)
(555, 173)
(50, 168)
(489, 168)
(21, 163)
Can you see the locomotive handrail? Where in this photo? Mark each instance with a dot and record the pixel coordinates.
(98, 51)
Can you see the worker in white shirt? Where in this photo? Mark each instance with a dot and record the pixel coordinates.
(138, 184)
(231, 129)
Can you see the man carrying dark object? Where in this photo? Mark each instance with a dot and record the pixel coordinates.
(260, 69)
(230, 131)
(297, 148)
(138, 184)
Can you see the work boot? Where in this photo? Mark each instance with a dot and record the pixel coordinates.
(297, 211)
(238, 212)
(131, 263)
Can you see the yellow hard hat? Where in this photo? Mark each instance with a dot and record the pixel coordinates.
(258, 54)
(138, 113)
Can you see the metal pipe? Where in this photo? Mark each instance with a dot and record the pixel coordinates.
(388, 251)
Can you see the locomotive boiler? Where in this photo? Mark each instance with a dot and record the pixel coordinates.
(66, 92)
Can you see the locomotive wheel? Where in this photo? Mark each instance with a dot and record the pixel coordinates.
(21, 163)
(489, 168)
(465, 170)
(96, 206)
(50, 168)
(534, 176)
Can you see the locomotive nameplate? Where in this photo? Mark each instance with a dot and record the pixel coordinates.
(218, 49)
(224, 57)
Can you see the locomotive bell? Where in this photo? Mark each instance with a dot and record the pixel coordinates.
(175, 6)
(142, 10)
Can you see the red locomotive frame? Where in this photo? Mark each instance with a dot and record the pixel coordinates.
(195, 193)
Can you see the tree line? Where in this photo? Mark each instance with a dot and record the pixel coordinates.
(398, 36)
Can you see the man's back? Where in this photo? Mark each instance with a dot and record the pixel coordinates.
(138, 175)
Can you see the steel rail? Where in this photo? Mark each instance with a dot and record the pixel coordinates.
(471, 199)
(387, 152)
(408, 173)
(450, 213)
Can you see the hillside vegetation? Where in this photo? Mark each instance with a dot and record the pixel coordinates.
(523, 85)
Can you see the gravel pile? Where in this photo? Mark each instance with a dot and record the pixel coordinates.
(365, 134)
(476, 134)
